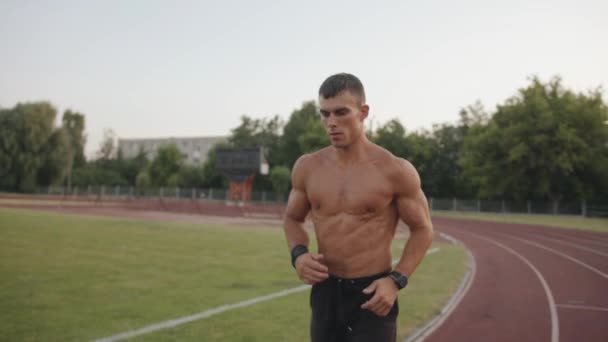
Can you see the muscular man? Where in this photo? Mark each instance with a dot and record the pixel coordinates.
(355, 192)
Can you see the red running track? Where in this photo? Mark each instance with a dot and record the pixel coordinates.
(532, 283)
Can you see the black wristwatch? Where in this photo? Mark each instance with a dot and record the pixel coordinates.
(296, 252)
(399, 279)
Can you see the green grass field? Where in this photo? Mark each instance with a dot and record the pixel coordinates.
(558, 221)
(76, 278)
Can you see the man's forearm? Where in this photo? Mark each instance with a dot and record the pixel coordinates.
(295, 233)
(415, 249)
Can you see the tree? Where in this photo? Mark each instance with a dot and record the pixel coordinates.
(436, 155)
(392, 137)
(297, 125)
(474, 114)
(166, 164)
(29, 146)
(73, 125)
(95, 174)
(314, 137)
(280, 177)
(56, 158)
(256, 132)
(128, 168)
(259, 133)
(107, 146)
(191, 176)
(422, 151)
(545, 142)
(9, 149)
(143, 180)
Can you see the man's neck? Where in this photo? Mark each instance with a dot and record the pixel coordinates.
(354, 153)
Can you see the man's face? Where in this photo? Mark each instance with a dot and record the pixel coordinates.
(343, 116)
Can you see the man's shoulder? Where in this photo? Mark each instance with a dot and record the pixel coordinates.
(310, 159)
(381, 154)
(308, 162)
(389, 161)
(405, 177)
(399, 170)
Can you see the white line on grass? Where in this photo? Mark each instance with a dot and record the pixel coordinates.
(205, 314)
(212, 312)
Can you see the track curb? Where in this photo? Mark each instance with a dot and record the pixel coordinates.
(463, 288)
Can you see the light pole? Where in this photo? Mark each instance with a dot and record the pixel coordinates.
(71, 124)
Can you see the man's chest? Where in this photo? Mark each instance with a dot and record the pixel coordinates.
(355, 191)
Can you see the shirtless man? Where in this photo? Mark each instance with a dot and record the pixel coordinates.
(355, 192)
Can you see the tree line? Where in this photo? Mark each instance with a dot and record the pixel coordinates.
(546, 142)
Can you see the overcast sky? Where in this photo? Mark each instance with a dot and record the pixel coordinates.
(181, 68)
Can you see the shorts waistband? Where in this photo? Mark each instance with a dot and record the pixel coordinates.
(367, 279)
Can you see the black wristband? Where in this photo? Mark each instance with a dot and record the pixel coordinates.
(399, 279)
(296, 252)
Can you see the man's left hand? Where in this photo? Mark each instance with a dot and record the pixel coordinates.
(385, 292)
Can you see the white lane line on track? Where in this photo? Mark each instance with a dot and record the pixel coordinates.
(591, 250)
(585, 240)
(450, 238)
(582, 307)
(548, 293)
(215, 311)
(465, 284)
(563, 255)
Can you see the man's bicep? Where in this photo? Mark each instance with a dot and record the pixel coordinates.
(411, 202)
(297, 204)
(413, 209)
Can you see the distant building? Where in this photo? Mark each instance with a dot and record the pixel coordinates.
(193, 149)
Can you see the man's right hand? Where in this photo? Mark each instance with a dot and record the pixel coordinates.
(311, 269)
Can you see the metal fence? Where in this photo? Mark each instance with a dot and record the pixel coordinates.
(581, 208)
(109, 193)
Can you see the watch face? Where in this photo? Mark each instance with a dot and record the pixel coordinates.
(399, 279)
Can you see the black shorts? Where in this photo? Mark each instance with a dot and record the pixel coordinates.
(337, 315)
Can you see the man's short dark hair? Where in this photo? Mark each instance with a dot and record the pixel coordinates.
(337, 83)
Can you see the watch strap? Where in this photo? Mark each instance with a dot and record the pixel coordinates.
(296, 252)
(399, 279)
